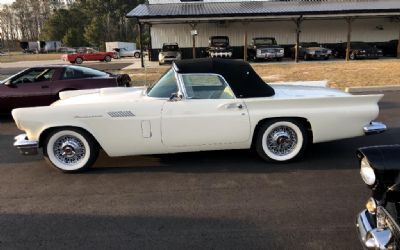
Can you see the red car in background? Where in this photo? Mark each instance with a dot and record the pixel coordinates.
(40, 86)
(88, 54)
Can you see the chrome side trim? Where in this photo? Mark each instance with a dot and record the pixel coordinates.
(25, 146)
(374, 128)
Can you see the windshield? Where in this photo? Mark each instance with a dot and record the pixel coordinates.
(165, 86)
(219, 40)
(264, 41)
(360, 45)
(170, 48)
(309, 45)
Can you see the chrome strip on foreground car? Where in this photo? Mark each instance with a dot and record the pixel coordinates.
(374, 128)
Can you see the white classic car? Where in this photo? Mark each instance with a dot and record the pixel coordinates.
(197, 105)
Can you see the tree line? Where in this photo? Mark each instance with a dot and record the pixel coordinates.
(75, 23)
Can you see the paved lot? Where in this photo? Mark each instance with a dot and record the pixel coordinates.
(213, 200)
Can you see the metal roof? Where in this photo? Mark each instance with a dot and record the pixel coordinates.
(262, 8)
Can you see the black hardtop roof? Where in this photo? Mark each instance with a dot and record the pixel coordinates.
(241, 77)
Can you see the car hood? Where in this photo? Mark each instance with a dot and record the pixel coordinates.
(103, 95)
(283, 91)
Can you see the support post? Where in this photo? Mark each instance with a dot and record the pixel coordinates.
(193, 33)
(194, 46)
(298, 22)
(141, 44)
(398, 42)
(245, 46)
(150, 46)
(349, 21)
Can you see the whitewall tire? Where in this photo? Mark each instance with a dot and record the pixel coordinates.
(70, 149)
(281, 140)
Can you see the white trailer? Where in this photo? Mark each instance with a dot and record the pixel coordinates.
(51, 46)
(123, 49)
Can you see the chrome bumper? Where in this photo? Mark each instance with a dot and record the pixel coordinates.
(269, 55)
(374, 128)
(370, 236)
(25, 146)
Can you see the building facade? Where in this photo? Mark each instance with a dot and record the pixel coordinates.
(325, 21)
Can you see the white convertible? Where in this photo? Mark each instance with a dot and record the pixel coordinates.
(203, 104)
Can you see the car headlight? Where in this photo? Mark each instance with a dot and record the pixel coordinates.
(161, 56)
(282, 51)
(311, 52)
(258, 51)
(371, 206)
(367, 172)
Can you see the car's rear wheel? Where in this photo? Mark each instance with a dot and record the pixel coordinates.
(281, 140)
(136, 55)
(107, 59)
(70, 149)
(78, 60)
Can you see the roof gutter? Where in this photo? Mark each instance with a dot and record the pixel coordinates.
(261, 18)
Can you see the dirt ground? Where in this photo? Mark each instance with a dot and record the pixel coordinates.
(340, 74)
(19, 56)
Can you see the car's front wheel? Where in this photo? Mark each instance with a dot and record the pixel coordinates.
(107, 59)
(136, 55)
(281, 140)
(70, 149)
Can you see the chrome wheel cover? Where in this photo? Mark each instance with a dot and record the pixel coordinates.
(69, 150)
(281, 141)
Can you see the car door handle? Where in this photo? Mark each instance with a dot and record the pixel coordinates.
(231, 106)
(45, 87)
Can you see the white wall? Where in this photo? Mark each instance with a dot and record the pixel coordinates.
(322, 31)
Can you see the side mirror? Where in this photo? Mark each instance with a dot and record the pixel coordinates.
(175, 97)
